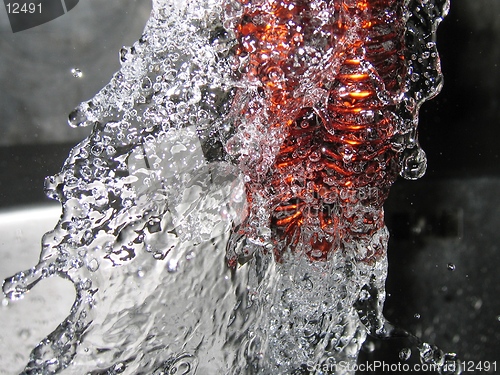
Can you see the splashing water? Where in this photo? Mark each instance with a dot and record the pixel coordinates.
(225, 214)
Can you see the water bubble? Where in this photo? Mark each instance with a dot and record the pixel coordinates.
(172, 265)
(146, 84)
(119, 368)
(86, 284)
(477, 303)
(451, 266)
(426, 353)
(414, 163)
(93, 265)
(77, 73)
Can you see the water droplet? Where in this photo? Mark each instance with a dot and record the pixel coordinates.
(414, 163)
(93, 265)
(426, 353)
(405, 354)
(477, 303)
(369, 346)
(77, 73)
(146, 84)
(172, 265)
(86, 284)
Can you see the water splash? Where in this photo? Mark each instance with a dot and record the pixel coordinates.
(185, 171)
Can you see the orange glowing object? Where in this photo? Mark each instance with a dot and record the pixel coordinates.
(338, 146)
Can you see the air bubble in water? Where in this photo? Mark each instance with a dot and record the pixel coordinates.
(451, 266)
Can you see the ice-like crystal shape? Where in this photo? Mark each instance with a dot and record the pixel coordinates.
(225, 214)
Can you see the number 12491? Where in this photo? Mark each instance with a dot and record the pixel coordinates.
(16, 8)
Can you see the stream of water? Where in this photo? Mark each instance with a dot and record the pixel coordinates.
(225, 214)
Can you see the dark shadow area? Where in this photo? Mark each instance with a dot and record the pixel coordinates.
(443, 282)
(460, 128)
(23, 170)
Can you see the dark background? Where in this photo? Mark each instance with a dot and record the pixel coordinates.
(444, 281)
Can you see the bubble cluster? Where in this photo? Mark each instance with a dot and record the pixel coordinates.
(327, 118)
(237, 137)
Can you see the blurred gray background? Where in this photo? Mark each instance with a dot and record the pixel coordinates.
(38, 89)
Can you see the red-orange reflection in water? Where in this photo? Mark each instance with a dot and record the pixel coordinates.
(332, 73)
